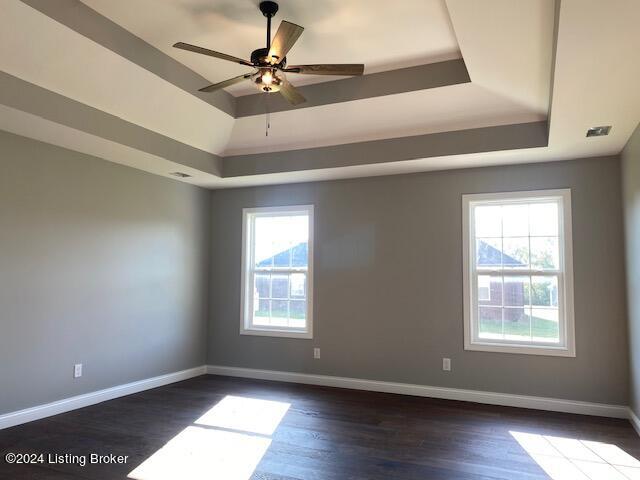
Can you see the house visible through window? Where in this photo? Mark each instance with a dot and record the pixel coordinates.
(277, 271)
(518, 272)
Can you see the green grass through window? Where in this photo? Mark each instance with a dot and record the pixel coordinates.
(540, 327)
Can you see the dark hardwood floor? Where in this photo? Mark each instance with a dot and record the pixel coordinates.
(325, 434)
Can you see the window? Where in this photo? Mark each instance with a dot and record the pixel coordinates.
(518, 273)
(277, 271)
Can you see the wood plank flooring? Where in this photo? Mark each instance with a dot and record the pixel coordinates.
(326, 434)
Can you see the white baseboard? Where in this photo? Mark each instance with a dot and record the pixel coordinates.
(86, 399)
(491, 398)
(635, 421)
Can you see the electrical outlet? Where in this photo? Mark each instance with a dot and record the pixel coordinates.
(316, 353)
(77, 370)
(446, 364)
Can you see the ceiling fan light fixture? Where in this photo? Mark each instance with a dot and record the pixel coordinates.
(268, 80)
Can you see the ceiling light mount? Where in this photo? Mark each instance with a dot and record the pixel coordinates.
(269, 9)
(598, 131)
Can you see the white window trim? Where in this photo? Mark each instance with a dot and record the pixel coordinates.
(565, 287)
(246, 328)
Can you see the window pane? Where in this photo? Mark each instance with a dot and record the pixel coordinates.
(484, 288)
(544, 291)
(488, 221)
(544, 253)
(490, 324)
(279, 313)
(297, 309)
(298, 283)
(279, 286)
(297, 313)
(516, 291)
(261, 315)
(300, 255)
(276, 237)
(490, 290)
(517, 324)
(282, 259)
(489, 253)
(515, 220)
(545, 325)
(543, 218)
(516, 252)
(262, 285)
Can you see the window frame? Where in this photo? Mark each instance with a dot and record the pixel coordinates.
(472, 342)
(248, 272)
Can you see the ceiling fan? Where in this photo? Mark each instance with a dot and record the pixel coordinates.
(270, 63)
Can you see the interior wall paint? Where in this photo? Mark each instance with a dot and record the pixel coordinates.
(388, 282)
(100, 264)
(631, 195)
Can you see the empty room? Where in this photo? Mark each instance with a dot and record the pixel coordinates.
(319, 240)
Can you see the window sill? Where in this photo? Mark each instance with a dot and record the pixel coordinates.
(521, 349)
(276, 333)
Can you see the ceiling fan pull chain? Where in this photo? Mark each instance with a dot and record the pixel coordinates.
(268, 114)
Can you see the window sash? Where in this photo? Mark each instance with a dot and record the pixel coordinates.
(475, 324)
(251, 304)
(563, 274)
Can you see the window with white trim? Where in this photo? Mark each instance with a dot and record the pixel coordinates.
(277, 271)
(518, 272)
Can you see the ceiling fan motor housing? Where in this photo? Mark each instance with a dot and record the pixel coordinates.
(261, 57)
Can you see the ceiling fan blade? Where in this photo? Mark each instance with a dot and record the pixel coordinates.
(226, 83)
(328, 69)
(291, 95)
(211, 53)
(286, 36)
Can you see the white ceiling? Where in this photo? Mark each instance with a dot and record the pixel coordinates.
(380, 34)
(507, 47)
(50, 55)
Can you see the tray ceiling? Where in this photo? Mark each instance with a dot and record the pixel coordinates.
(447, 84)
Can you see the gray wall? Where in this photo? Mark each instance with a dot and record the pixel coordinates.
(388, 282)
(631, 186)
(110, 267)
(100, 264)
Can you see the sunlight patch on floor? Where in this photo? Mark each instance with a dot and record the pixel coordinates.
(245, 414)
(227, 442)
(572, 459)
